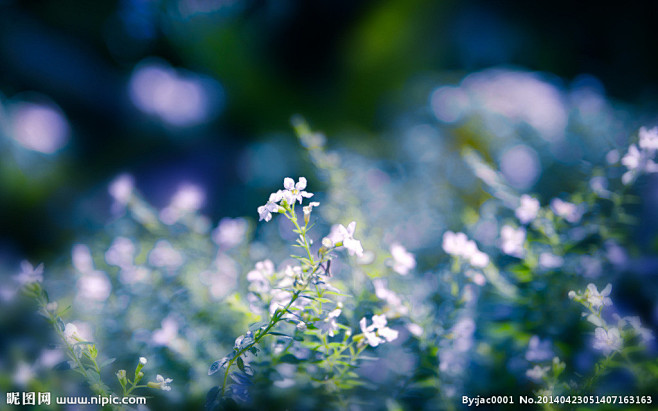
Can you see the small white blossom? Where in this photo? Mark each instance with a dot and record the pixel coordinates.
(527, 209)
(346, 236)
(598, 299)
(649, 139)
(230, 232)
(607, 341)
(512, 240)
(162, 383)
(403, 261)
(30, 274)
(295, 192)
(537, 373)
(143, 360)
(330, 325)
(377, 332)
(272, 206)
(459, 245)
(569, 211)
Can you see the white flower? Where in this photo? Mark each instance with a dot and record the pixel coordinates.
(307, 210)
(329, 325)
(346, 235)
(230, 232)
(537, 373)
(649, 139)
(295, 192)
(259, 278)
(633, 158)
(527, 209)
(143, 360)
(512, 241)
(403, 261)
(569, 211)
(377, 332)
(607, 341)
(163, 383)
(459, 245)
(265, 211)
(30, 274)
(121, 189)
(598, 299)
(71, 334)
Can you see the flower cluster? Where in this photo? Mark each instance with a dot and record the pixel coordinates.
(640, 158)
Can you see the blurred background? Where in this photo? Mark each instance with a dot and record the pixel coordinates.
(201, 92)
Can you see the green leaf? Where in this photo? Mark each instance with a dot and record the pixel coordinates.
(240, 364)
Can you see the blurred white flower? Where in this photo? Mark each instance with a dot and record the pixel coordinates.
(166, 334)
(121, 253)
(394, 303)
(188, 199)
(177, 97)
(329, 325)
(569, 211)
(259, 278)
(39, 127)
(143, 360)
(121, 189)
(527, 209)
(230, 232)
(512, 240)
(29, 274)
(537, 373)
(403, 261)
(598, 299)
(164, 255)
(607, 341)
(94, 285)
(649, 139)
(459, 245)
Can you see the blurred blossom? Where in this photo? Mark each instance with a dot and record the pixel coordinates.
(607, 341)
(599, 185)
(82, 259)
(29, 274)
(39, 127)
(520, 166)
(392, 300)
(512, 240)
(94, 285)
(521, 97)
(459, 245)
(450, 104)
(329, 325)
(569, 211)
(612, 157)
(527, 209)
(549, 260)
(164, 255)
(177, 97)
(538, 350)
(537, 372)
(403, 261)
(649, 139)
(188, 199)
(121, 189)
(121, 252)
(615, 253)
(23, 373)
(230, 232)
(452, 355)
(166, 334)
